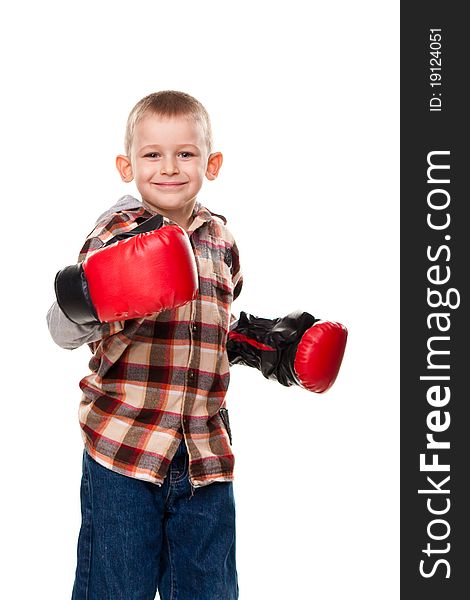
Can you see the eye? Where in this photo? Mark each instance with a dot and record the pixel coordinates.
(186, 154)
(151, 155)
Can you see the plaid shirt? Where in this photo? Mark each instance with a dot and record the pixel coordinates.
(155, 379)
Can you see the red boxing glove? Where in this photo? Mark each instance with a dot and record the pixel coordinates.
(134, 277)
(319, 355)
(296, 349)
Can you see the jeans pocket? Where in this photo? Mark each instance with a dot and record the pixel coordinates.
(224, 416)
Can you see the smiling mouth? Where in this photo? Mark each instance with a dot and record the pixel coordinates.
(171, 184)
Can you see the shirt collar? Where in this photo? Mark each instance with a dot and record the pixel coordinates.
(200, 213)
(200, 216)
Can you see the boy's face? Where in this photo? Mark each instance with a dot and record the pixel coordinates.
(169, 160)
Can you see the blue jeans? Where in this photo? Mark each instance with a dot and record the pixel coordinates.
(136, 537)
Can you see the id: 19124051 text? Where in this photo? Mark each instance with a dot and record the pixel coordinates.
(435, 69)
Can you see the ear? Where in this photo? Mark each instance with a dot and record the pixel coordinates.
(124, 166)
(214, 162)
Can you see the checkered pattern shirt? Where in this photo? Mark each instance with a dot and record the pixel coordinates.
(156, 379)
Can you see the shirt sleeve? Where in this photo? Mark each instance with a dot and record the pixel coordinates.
(70, 335)
(66, 333)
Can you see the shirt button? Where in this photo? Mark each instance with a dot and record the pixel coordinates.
(191, 374)
(194, 327)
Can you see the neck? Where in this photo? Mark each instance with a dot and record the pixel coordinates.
(183, 217)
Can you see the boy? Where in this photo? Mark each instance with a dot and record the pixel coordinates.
(158, 509)
(150, 411)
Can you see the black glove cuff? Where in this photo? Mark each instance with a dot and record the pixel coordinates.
(73, 297)
(286, 335)
(281, 335)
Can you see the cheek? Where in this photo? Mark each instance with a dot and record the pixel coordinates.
(198, 172)
(144, 173)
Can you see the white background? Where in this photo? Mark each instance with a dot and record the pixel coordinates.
(303, 98)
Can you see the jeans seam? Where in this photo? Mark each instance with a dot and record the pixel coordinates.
(90, 547)
(84, 567)
(173, 586)
(184, 472)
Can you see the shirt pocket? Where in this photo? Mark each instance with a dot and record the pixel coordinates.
(223, 287)
(215, 282)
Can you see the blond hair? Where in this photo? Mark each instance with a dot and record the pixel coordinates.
(168, 103)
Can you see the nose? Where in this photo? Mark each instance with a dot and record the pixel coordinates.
(168, 166)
